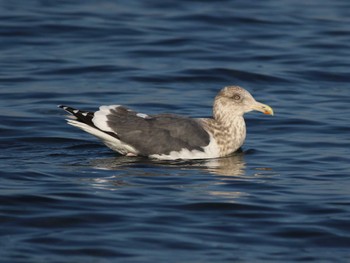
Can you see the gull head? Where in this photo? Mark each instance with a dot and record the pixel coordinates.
(238, 101)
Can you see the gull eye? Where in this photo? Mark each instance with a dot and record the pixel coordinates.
(236, 97)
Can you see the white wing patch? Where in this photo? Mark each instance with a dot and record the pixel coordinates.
(100, 118)
(142, 115)
(210, 151)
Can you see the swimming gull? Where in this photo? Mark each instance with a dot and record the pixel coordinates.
(170, 136)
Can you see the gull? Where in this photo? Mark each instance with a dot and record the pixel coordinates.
(170, 136)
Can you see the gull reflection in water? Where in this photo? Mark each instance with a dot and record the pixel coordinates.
(129, 172)
(232, 165)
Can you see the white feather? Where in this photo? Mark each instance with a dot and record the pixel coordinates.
(108, 140)
(209, 151)
(100, 118)
(142, 115)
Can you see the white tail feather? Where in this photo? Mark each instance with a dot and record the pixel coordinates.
(108, 140)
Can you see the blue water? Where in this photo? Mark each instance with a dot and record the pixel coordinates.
(64, 197)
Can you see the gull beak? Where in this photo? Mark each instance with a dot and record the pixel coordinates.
(266, 109)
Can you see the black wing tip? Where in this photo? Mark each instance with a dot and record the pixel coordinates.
(82, 116)
(68, 109)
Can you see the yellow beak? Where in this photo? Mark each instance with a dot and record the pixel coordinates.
(266, 109)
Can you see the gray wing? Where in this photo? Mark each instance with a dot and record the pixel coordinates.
(152, 134)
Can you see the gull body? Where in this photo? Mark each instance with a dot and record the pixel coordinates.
(170, 136)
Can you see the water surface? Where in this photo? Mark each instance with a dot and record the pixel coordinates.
(67, 198)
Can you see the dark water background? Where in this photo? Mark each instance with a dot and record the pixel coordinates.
(64, 197)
